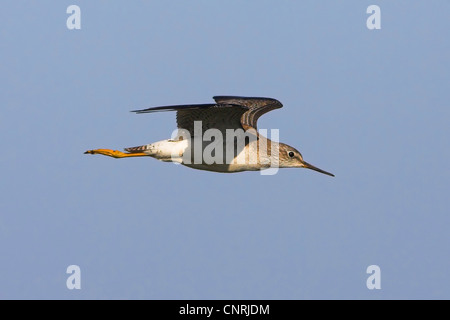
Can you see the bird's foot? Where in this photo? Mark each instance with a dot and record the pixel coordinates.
(107, 152)
(115, 153)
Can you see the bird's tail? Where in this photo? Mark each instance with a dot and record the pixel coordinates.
(165, 150)
(137, 149)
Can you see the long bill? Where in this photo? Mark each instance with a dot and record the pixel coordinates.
(310, 166)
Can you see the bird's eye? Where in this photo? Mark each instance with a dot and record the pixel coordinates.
(291, 154)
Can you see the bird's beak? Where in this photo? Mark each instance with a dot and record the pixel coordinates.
(310, 166)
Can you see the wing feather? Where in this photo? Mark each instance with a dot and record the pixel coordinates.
(257, 106)
(229, 112)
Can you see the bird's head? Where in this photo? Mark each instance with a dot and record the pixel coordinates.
(292, 158)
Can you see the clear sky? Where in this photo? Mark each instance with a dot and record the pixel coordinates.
(370, 106)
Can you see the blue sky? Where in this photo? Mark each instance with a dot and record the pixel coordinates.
(372, 107)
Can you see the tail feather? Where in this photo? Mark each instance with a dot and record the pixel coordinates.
(136, 149)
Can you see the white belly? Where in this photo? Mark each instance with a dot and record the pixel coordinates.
(201, 157)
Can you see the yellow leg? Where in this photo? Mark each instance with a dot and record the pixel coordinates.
(115, 153)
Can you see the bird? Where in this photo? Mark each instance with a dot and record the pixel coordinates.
(220, 137)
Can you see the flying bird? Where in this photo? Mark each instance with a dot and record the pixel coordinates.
(220, 137)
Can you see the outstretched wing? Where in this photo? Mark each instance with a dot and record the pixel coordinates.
(229, 112)
(218, 116)
(256, 107)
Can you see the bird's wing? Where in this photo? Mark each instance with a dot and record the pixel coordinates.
(256, 107)
(229, 112)
(218, 116)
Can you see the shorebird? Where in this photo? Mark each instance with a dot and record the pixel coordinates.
(232, 117)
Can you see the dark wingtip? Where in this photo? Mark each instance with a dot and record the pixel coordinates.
(140, 111)
(174, 108)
